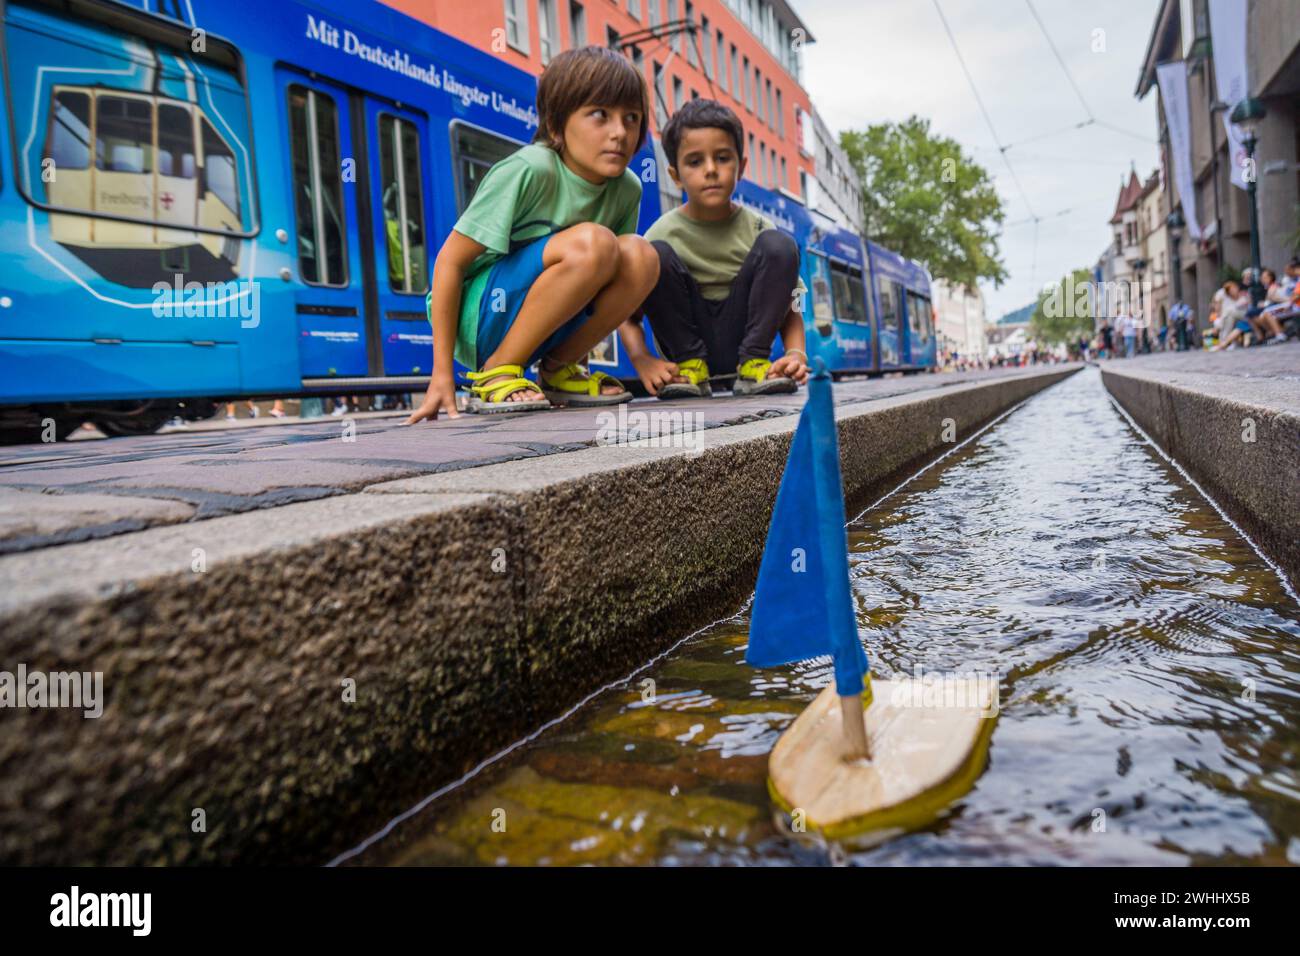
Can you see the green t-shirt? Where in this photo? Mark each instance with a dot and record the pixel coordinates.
(528, 195)
(713, 252)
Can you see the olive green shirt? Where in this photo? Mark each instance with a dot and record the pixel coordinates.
(713, 252)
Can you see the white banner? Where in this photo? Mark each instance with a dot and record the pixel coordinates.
(1228, 35)
(1172, 78)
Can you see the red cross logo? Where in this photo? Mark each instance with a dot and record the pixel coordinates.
(167, 199)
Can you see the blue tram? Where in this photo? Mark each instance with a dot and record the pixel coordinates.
(211, 199)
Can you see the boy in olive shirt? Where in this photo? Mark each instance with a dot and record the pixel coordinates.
(728, 278)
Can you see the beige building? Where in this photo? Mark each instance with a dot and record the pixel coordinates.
(961, 320)
(1182, 34)
(1136, 278)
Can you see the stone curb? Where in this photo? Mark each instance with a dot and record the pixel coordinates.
(468, 607)
(1239, 438)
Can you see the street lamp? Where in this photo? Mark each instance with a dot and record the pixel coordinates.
(1174, 222)
(1248, 114)
(1139, 265)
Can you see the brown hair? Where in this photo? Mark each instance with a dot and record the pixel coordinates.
(591, 74)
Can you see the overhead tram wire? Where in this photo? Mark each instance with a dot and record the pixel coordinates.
(970, 80)
(1052, 215)
(1059, 59)
(1092, 118)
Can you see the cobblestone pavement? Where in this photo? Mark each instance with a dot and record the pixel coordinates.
(72, 491)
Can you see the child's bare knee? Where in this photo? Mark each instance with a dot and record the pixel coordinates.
(592, 248)
(638, 260)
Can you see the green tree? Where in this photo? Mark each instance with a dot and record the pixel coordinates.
(924, 198)
(1063, 312)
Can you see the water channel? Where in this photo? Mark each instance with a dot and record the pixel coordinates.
(1147, 659)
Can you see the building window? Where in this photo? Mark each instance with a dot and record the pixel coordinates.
(723, 72)
(785, 181)
(661, 117)
(578, 25)
(670, 8)
(654, 13)
(517, 25)
(634, 8)
(758, 94)
(706, 44)
(771, 114)
(548, 34)
(695, 94)
(638, 60)
(735, 73)
(750, 154)
(611, 38)
(746, 94)
(691, 58)
(678, 95)
(780, 115)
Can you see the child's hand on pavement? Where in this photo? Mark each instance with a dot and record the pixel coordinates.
(440, 396)
(654, 372)
(790, 365)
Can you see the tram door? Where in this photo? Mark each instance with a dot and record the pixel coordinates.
(891, 322)
(334, 335)
(397, 140)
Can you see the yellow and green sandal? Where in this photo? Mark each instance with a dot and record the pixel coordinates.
(572, 384)
(494, 398)
(751, 379)
(696, 371)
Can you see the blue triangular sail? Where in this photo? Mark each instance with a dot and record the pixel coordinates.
(802, 605)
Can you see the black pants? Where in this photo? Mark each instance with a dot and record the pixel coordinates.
(724, 332)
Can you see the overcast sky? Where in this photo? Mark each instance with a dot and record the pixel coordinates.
(882, 60)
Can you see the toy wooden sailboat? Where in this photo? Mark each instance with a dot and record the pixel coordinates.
(862, 756)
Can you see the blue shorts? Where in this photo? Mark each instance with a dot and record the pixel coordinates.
(514, 276)
(1243, 325)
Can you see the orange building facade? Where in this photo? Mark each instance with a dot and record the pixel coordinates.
(745, 53)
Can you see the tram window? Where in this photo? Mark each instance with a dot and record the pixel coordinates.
(399, 161)
(124, 135)
(317, 187)
(888, 306)
(219, 169)
(69, 144)
(849, 298)
(176, 142)
(823, 303)
(918, 312)
(475, 152)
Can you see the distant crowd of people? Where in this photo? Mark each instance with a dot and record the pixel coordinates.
(1234, 321)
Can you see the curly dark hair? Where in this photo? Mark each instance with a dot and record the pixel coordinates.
(698, 114)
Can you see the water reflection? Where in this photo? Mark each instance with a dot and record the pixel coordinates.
(1147, 663)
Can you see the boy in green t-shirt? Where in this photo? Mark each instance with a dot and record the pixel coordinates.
(728, 278)
(545, 261)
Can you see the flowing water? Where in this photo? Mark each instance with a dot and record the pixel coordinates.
(1148, 664)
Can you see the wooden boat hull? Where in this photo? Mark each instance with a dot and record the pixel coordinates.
(929, 743)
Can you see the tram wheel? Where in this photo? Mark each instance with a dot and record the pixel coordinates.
(126, 427)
